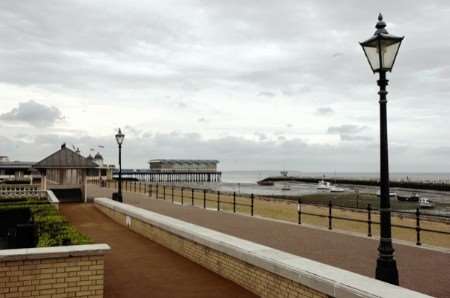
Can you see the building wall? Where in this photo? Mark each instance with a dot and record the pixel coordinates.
(61, 275)
(256, 280)
(265, 271)
(183, 166)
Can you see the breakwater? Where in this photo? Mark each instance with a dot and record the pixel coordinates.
(441, 186)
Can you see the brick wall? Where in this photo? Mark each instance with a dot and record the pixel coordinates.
(256, 280)
(54, 277)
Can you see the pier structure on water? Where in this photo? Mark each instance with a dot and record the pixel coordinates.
(176, 170)
(172, 177)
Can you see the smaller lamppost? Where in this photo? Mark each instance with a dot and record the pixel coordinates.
(119, 138)
(381, 50)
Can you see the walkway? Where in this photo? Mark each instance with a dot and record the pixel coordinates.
(420, 269)
(138, 267)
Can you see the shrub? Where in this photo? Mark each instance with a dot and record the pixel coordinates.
(53, 228)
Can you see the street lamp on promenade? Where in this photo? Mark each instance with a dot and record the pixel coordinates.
(119, 138)
(381, 50)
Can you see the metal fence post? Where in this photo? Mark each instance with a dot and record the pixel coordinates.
(182, 196)
(204, 199)
(234, 202)
(172, 194)
(252, 197)
(357, 199)
(418, 226)
(330, 217)
(218, 200)
(369, 220)
(299, 211)
(192, 197)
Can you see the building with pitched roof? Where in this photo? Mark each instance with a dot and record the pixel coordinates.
(65, 169)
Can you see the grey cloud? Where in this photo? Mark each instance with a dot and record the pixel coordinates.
(33, 113)
(235, 153)
(221, 53)
(266, 94)
(349, 132)
(64, 46)
(346, 128)
(261, 136)
(324, 111)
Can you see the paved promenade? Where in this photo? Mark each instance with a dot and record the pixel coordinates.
(420, 269)
(138, 267)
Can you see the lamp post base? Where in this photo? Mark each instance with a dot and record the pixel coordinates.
(387, 271)
(117, 196)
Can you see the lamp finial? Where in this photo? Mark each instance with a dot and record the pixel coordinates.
(380, 26)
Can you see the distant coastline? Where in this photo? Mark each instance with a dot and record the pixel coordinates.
(255, 176)
(408, 184)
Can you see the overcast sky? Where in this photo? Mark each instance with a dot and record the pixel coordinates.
(255, 84)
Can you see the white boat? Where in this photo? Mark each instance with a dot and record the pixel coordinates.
(323, 185)
(391, 194)
(334, 188)
(425, 203)
(285, 186)
(284, 173)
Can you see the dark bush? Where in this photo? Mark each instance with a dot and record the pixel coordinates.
(37, 224)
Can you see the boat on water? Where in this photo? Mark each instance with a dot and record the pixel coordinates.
(323, 185)
(412, 198)
(391, 194)
(286, 186)
(335, 188)
(425, 203)
(266, 183)
(284, 173)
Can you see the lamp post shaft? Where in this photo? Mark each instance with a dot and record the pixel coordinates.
(120, 173)
(386, 265)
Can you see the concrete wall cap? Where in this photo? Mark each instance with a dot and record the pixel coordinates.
(324, 278)
(53, 252)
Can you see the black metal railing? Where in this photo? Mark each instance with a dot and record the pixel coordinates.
(370, 222)
(208, 199)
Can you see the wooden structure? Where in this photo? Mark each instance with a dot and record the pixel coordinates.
(65, 169)
(183, 165)
(176, 170)
(170, 176)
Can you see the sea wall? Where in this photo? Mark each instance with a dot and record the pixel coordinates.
(262, 270)
(441, 186)
(65, 271)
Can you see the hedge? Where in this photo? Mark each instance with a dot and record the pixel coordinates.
(53, 229)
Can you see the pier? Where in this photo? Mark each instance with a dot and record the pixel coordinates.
(170, 176)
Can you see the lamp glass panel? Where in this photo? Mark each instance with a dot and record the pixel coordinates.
(119, 138)
(372, 56)
(389, 52)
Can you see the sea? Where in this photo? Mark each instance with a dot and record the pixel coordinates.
(245, 182)
(254, 176)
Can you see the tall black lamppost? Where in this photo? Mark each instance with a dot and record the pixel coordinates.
(119, 138)
(381, 50)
